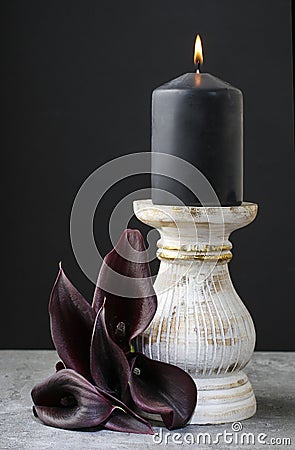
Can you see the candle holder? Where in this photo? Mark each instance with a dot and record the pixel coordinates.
(201, 324)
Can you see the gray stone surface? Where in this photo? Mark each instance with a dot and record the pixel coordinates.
(272, 376)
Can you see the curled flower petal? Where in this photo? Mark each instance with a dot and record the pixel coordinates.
(108, 363)
(68, 400)
(125, 283)
(123, 421)
(98, 299)
(71, 321)
(161, 388)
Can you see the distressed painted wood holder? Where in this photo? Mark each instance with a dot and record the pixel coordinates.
(201, 324)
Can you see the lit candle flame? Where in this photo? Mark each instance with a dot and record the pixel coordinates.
(198, 55)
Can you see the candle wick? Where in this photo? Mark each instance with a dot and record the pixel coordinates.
(198, 66)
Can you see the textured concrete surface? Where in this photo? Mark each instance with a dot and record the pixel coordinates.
(272, 376)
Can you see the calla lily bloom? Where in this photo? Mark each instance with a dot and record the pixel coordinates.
(160, 388)
(126, 316)
(71, 323)
(68, 400)
(100, 379)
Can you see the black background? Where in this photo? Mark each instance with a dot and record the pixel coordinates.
(76, 83)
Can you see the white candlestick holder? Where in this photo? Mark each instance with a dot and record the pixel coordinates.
(201, 324)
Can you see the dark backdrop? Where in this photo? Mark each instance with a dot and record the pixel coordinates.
(76, 83)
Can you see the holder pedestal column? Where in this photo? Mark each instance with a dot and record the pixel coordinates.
(201, 324)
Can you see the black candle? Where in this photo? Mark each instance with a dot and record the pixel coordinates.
(199, 118)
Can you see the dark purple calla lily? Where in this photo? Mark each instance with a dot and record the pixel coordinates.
(128, 423)
(126, 316)
(68, 400)
(163, 389)
(71, 322)
(100, 380)
(108, 364)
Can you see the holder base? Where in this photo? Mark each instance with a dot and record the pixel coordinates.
(224, 399)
